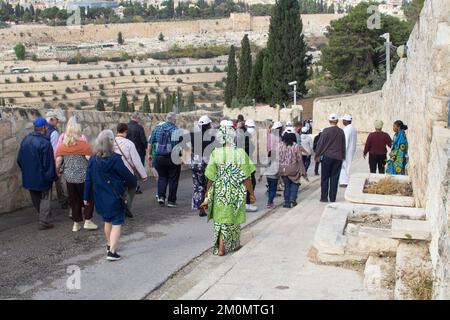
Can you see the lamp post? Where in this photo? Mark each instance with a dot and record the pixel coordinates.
(294, 83)
(388, 55)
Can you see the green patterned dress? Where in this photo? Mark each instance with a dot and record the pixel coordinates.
(228, 167)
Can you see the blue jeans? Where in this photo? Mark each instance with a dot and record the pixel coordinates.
(306, 162)
(290, 190)
(273, 183)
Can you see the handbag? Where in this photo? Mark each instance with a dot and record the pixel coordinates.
(123, 198)
(135, 172)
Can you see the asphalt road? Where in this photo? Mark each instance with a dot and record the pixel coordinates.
(154, 245)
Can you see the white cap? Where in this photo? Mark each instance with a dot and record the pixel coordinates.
(204, 120)
(288, 124)
(250, 123)
(333, 117)
(51, 114)
(289, 130)
(277, 125)
(226, 123)
(347, 117)
(305, 129)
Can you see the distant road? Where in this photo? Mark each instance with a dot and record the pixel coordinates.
(130, 66)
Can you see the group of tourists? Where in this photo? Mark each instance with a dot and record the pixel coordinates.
(106, 177)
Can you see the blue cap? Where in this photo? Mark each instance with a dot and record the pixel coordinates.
(40, 122)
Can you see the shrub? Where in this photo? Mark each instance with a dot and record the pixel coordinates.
(218, 84)
(134, 81)
(101, 86)
(67, 77)
(78, 106)
(179, 80)
(64, 96)
(121, 73)
(161, 71)
(205, 85)
(43, 79)
(54, 92)
(132, 72)
(68, 90)
(102, 93)
(207, 69)
(55, 77)
(19, 80)
(142, 72)
(137, 91)
(40, 93)
(78, 76)
(180, 71)
(145, 80)
(55, 99)
(27, 94)
(11, 100)
(62, 106)
(112, 74)
(7, 80)
(135, 98)
(171, 72)
(83, 103)
(198, 69)
(152, 72)
(113, 83)
(157, 82)
(31, 79)
(99, 75)
(187, 70)
(43, 100)
(90, 76)
(85, 88)
(152, 90)
(216, 69)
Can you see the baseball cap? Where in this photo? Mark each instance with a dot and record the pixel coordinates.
(277, 125)
(333, 117)
(40, 122)
(204, 120)
(289, 130)
(250, 123)
(305, 129)
(51, 114)
(347, 117)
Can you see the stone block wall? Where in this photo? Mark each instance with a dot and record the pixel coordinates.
(16, 123)
(417, 93)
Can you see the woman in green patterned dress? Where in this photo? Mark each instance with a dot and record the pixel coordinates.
(229, 177)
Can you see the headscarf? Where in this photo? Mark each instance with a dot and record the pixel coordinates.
(226, 134)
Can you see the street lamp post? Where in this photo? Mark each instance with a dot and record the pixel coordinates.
(388, 55)
(294, 83)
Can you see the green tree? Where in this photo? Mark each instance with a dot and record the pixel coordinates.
(191, 101)
(231, 83)
(157, 107)
(254, 88)
(245, 68)
(285, 59)
(100, 106)
(412, 10)
(19, 50)
(145, 107)
(123, 103)
(354, 51)
(120, 39)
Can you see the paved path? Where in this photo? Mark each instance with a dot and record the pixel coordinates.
(155, 244)
(273, 262)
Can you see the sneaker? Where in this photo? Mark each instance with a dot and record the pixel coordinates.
(251, 208)
(323, 200)
(269, 206)
(112, 256)
(293, 203)
(202, 213)
(89, 225)
(138, 190)
(45, 226)
(171, 204)
(286, 205)
(108, 248)
(76, 227)
(161, 201)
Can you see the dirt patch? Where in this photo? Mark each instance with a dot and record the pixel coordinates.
(389, 186)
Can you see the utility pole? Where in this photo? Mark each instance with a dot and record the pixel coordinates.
(388, 55)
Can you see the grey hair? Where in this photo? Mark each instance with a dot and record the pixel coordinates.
(171, 117)
(104, 144)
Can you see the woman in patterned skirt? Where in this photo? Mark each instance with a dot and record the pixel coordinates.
(399, 152)
(229, 178)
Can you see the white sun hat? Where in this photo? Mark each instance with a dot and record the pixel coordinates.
(333, 117)
(277, 125)
(347, 117)
(204, 120)
(250, 123)
(226, 123)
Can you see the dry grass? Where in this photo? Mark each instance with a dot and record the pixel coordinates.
(389, 186)
(419, 284)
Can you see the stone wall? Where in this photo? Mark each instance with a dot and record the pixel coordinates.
(417, 94)
(263, 113)
(16, 123)
(314, 25)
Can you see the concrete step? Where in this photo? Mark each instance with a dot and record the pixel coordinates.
(411, 229)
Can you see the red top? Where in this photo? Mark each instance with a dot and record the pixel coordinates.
(376, 143)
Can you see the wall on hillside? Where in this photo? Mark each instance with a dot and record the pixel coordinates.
(418, 95)
(314, 25)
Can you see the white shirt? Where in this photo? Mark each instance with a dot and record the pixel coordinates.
(307, 144)
(130, 156)
(350, 142)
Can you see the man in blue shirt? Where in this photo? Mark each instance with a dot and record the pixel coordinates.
(37, 163)
(168, 159)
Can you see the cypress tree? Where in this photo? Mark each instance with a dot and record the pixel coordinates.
(245, 68)
(157, 108)
(231, 83)
(123, 104)
(191, 101)
(286, 58)
(254, 88)
(100, 106)
(145, 107)
(120, 40)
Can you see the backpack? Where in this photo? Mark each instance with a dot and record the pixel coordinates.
(164, 143)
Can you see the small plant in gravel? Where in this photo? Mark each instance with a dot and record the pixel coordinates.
(157, 82)
(171, 72)
(113, 83)
(161, 71)
(180, 71)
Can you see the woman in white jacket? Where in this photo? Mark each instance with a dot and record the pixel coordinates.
(307, 144)
(130, 158)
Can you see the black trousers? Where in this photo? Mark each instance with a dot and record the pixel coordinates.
(75, 192)
(316, 168)
(331, 170)
(377, 160)
(169, 175)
